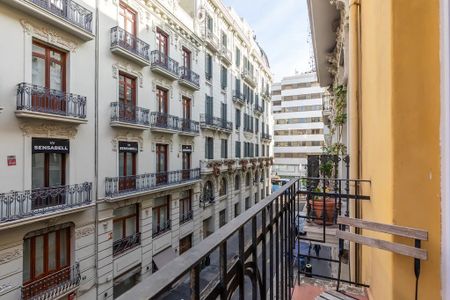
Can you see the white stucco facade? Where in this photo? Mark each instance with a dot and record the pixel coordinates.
(129, 131)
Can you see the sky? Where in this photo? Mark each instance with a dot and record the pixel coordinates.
(282, 29)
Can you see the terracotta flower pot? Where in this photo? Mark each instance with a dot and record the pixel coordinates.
(330, 209)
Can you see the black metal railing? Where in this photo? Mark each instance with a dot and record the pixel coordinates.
(189, 75)
(161, 228)
(266, 136)
(248, 129)
(52, 285)
(207, 200)
(259, 108)
(25, 204)
(164, 121)
(238, 97)
(122, 185)
(126, 243)
(162, 60)
(248, 76)
(35, 98)
(187, 216)
(189, 126)
(218, 123)
(211, 37)
(225, 52)
(123, 39)
(128, 113)
(70, 11)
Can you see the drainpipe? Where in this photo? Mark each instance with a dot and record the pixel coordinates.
(96, 140)
(355, 110)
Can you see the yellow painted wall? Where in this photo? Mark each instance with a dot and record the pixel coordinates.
(399, 113)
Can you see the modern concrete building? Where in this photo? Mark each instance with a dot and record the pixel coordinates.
(130, 131)
(298, 123)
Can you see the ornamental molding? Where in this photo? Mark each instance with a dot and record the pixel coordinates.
(127, 136)
(48, 130)
(186, 142)
(164, 84)
(85, 231)
(161, 139)
(186, 93)
(128, 68)
(10, 255)
(49, 36)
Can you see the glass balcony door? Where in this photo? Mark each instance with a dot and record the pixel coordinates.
(161, 164)
(127, 98)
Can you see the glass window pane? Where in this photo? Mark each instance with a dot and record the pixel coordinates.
(55, 169)
(56, 76)
(63, 238)
(130, 227)
(26, 259)
(129, 164)
(37, 171)
(163, 215)
(39, 256)
(121, 163)
(38, 72)
(52, 251)
(117, 230)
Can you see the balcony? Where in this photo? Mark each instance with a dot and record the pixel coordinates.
(46, 104)
(238, 98)
(207, 200)
(211, 40)
(258, 109)
(225, 54)
(189, 127)
(162, 122)
(117, 188)
(164, 65)
(127, 45)
(213, 123)
(265, 137)
(186, 217)
(43, 202)
(161, 228)
(64, 14)
(249, 78)
(127, 243)
(53, 286)
(129, 116)
(189, 79)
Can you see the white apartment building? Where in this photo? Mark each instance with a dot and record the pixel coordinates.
(298, 123)
(130, 131)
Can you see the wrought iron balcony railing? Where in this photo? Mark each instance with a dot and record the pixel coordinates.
(207, 200)
(164, 121)
(54, 285)
(128, 113)
(70, 11)
(249, 77)
(123, 39)
(259, 108)
(30, 203)
(238, 97)
(214, 122)
(190, 76)
(189, 126)
(225, 53)
(129, 242)
(159, 59)
(35, 98)
(161, 228)
(123, 185)
(185, 217)
(211, 38)
(266, 136)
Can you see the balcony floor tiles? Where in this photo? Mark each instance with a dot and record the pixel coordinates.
(130, 55)
(129, 195)
(40, 13)
(45, 216)
(49, 117)
(129, 125)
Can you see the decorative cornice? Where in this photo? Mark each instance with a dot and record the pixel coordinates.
(48, 130)
(10, 255)
(128, 68)
(129, 136)
(84, 231)
(48, 35)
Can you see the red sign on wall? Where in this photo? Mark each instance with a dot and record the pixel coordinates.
(11, 160)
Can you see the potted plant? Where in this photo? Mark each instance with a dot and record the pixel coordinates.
(324, 208)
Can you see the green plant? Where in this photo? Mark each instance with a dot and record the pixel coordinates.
(338, 102)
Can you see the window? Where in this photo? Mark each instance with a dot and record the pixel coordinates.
(125, 229)
(256, 150)
(185, 243)
(186, 58)
(237, 183)
(256, 125)
(238, 149)
(247, 203)
(45, 252)
(222, 218)
(238, 57)
(256, 198)
(208, 109)
(238, 118)
(161, 100)
(238, 87)
(127, 165)
(223, 77)
(127, 18)
(186, 161)
(262, 176)
(224, 40)
(209, 23)
(186, 121)
(224, 148)
(48, 69)
(186, 206)
(223, 113)
(162, 45)
(208, 192)
(236, 209)
(48, 170)
(161, 163)
(247, 179)
(209, 148)
(127, 97)
(223, 187)
(209, 67)
(262, 194)
(161, 217)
